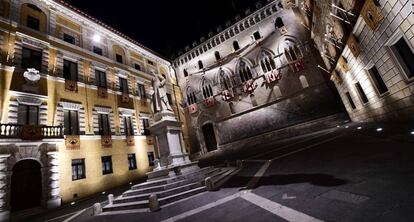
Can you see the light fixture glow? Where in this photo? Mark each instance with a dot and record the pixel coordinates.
(379, 129)
(72, 203)
(103, 192)
(412, 132)
(359, 128)
(96, 38)
(346, 127)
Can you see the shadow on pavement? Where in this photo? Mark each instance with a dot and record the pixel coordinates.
(323, 180)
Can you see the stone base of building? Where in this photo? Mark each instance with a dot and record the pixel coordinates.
(173, 170)
(54, 203)
(4, 216)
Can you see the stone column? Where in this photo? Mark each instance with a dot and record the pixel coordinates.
(4, 188)
(54, 199)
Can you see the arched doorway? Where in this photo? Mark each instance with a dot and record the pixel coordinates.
(209, 137)
(26, 185)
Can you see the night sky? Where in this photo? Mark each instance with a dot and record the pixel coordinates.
(165, 26)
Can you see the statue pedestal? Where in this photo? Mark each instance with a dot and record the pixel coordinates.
(169, 142)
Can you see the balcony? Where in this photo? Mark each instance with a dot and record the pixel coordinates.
(30, 132)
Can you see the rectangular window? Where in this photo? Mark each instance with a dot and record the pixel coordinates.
(137, 67)
(405, 57)
(150, 62)
(106, 165)
(132, 161)
(145, 126)
(97, 50)
(378, 81)
(100, 78)
(33, 23)
(361, 92)
(169, 98)
(78, 169)
(68, 38)
(351, 102)
(104, 126)
(151, 158)
(31, 59)
(141, 91)
(128, 127)
(70, 70)
(118, 58)
(28, 115)
(71, 122)
(123, 85)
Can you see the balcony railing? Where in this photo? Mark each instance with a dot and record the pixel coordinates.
(30, 132)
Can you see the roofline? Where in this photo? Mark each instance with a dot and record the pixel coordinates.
(109, 28)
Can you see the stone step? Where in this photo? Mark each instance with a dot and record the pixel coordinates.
(182, 195)
(145, 196)
(163, 187)
(145, 204)
(168, 179)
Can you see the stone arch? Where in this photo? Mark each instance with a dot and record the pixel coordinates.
(265, 58)
(203, 119)
(46, 155)
(206, 87)
(225, 78)
(244, 70)
(34, 16)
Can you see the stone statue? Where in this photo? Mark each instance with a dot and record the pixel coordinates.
(161, 96)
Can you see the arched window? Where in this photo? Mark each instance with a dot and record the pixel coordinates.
(267, 63)
(191, 97)
(217, 55)
(244, 71)
(279, 23)
(33, 17)
(293, 53)
(236, 45)
(304, 81)
(200, 64)
(225, 81)
(207, 88)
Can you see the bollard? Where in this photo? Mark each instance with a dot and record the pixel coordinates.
(154, 205)
(209, 184)
(97, 209)
(110, 198)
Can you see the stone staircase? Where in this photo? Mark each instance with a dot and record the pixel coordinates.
(168, 190)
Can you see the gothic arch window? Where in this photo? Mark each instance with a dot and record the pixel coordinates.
(207, 88)
(185, 73)
(266, 61)
(225, 80)
(200, 64)
(303, 81)
(244, 71)
(191, 97)
(293, 53)
(236, 45)
(217, 55)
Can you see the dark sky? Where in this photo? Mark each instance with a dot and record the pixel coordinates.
(164, 26)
